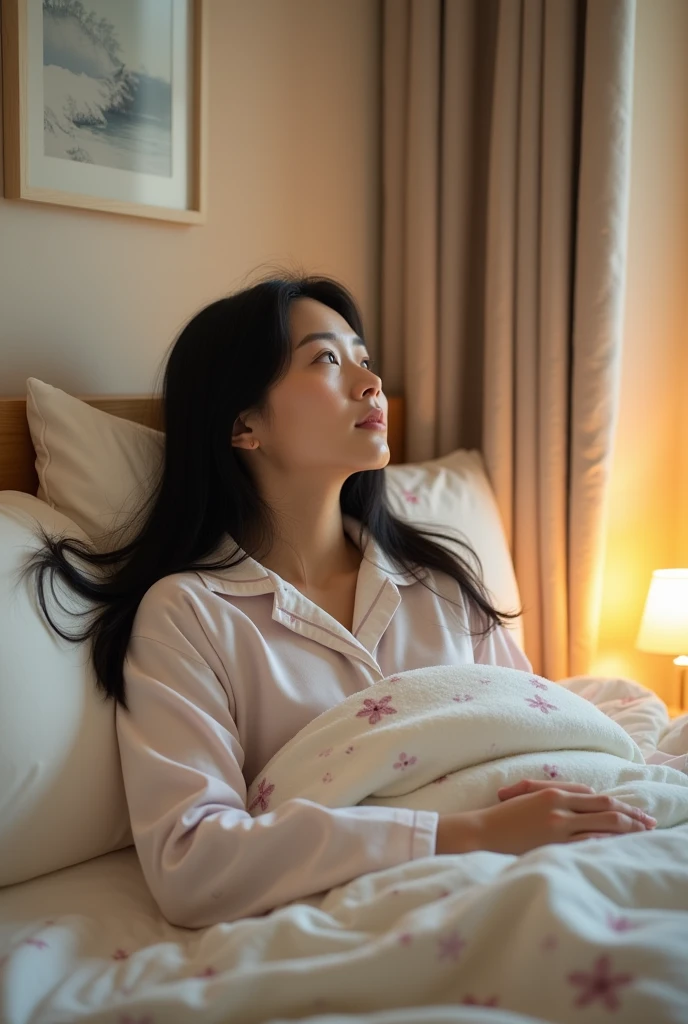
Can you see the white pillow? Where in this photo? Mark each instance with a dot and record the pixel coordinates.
(61, 792)
(454, 491)
(94, 468)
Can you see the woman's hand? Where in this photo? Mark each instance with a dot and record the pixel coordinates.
(535, 813)
(531, 785)
(550, 812)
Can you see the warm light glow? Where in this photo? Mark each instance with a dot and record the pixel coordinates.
(664, 626)
(613, 665)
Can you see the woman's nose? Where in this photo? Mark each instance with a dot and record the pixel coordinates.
(372, 386)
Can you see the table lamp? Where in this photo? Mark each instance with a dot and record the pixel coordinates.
(664, 625)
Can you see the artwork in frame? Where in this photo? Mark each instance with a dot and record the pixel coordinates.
(104, 105)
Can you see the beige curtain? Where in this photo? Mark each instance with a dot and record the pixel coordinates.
(506, 144)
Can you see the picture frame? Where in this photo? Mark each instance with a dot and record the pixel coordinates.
(104, 105)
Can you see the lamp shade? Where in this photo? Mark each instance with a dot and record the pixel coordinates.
(664, 625)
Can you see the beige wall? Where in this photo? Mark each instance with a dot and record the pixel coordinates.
(682, 432)
(648, 515)
(90, 302)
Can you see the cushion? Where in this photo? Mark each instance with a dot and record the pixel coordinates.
(454, 492)
(91, 466)
(61, 793)
(94, 468)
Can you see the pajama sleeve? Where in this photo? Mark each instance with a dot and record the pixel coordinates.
(204, 857)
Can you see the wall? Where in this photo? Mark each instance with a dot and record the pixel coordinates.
(682, 436)
(647, 526)
(90, 302)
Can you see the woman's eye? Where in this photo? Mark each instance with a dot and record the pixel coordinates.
(334, 361)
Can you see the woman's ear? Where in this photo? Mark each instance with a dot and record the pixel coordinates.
(242, 435)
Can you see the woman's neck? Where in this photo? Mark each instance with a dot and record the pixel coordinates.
(311, 548)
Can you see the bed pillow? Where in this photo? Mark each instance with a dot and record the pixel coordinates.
(91, 466)
(61, 792)
(94, 468)
(454, 492)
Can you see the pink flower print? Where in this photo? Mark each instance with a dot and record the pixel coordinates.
(209, 972)
(404, 761)
(394, 679)
(405, 939)
(549, 942)
(349, 750)
(472, 1001)
(463, 698)
(327, 777)
(442, 778)
(373, 710)
(620, 924)
(599, 984)
(263, 795)
(537, 683)
(410, 497)
(628, 700)
(541, 704)
(451, 945)
(38, 943)
(551, 771)
(485, 682)
(326, 752)
(120, 954)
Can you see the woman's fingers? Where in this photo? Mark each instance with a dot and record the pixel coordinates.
(533, 785)
(612, 821)
(579, 836)
(582, 800)
(614, 812)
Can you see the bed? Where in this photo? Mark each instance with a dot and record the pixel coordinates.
(585, 932)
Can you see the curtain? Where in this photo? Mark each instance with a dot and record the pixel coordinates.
(505, 185)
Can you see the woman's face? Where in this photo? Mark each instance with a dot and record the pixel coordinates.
(313, 412)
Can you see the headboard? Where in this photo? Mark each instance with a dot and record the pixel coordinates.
(17, 472)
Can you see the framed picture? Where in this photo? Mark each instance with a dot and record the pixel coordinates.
(104, 105)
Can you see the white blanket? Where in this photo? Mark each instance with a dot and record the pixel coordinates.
(585, 933)
(446, 738)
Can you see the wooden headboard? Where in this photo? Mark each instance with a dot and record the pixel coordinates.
(17, 472)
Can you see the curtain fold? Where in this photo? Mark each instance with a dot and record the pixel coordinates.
(506, 131)
(598, 305)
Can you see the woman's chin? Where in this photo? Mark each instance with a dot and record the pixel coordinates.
(378, 458)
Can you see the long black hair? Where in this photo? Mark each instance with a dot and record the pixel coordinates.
(224, 361)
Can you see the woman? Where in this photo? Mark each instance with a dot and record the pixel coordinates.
(268, 581)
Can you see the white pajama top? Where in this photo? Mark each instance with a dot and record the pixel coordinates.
(222, 669)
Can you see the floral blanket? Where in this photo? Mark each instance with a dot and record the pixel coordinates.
(581, 933)
(446, 738)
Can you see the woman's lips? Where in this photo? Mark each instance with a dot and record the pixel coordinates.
(371, 425)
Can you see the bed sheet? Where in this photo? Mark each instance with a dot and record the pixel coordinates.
(581, 933)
